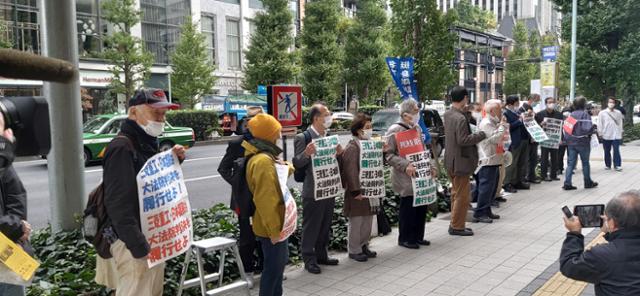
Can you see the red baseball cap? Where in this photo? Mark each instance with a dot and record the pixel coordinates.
(153, 97)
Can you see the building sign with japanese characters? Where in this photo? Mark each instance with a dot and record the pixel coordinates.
(165, 212)
(424, 186)
(371, 169)
(326, 172)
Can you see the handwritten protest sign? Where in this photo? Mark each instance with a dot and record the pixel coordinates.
(371, 169)
(326, 172)
(568, 125)
(423, 184)
(165, 212)
(17, 266)
(553, 128)
(290, 208)
(536, 132)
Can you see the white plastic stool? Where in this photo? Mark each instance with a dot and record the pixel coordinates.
(212, 245)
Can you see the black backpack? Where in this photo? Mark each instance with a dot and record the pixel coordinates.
(95, 219)
(241, 196)
(301, 173)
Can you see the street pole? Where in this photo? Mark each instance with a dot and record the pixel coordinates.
(574, 25)
(65, 161)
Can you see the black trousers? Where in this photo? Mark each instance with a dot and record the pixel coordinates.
(533, 161)
(247, 245)
(562, 150)
(412, 221)
(316, 228)
(549, 154)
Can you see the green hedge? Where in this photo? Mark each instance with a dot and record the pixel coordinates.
(631, 133)
(202, 122)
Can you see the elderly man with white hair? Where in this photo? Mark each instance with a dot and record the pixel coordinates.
(488, 173)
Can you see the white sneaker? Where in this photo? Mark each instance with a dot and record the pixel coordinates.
(607, 168)
(618, 169)
(250, 279)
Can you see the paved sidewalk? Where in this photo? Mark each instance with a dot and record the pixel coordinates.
(502, 258)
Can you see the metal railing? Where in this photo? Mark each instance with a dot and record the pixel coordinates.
(23, 36)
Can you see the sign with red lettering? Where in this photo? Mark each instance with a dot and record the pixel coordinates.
(568, 125)
(285, 104)
(165, 212)
(290, 209)
(409, 142)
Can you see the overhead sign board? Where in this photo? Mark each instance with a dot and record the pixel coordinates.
(285, 104)
(550, 53)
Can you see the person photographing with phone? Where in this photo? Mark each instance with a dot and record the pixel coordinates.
(614, 267)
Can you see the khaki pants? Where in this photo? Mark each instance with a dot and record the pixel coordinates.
(134, 278)
(501, 180)
(106, 273)
(460, 191)
(358, 232)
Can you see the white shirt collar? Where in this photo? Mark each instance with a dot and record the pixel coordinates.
(317, 133)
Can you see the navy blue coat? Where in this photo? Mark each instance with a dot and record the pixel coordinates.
(516, 129)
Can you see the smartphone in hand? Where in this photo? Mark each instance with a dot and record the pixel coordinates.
(567, 212)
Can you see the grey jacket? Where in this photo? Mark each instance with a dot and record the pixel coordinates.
(400, 181)
(487, 148)
(303, 162)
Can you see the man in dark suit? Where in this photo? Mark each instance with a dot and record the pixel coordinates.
(247, 241)
(532, 157)
(316, 214)
(517, 171)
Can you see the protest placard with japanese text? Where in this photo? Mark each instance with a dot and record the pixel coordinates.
(165, 212)
(424, 186)
(534, 129)
(371, 169)
(290, 208)
(326, 172)
(553, 129)
(17, 266)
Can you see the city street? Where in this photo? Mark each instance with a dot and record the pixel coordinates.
(205, 186)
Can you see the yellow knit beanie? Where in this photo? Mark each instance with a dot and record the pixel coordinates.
(264, 127)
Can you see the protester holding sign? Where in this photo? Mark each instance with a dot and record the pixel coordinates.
(412, 218)
(579, 143)
(527, 112)
(461, 158)
(269, 218)
(494, 125)
(317, 214)
(516, 172)
(363, 177)
(124, 158)
(551, 121)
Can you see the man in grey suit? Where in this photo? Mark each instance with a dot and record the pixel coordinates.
(316, 215)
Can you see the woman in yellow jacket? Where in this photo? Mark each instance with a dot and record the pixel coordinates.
(267, 197)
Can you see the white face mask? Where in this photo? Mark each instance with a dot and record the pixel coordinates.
(551, 106)
(153, 128)
(367, 134)
(415, 118)
(612, 105)
(327, 121)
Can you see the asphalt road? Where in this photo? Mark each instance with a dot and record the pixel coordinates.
(204, 184)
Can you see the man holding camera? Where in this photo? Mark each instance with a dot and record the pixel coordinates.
(614, 267)
(13, 204)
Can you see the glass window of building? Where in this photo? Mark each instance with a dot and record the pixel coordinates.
(256, 4)
(469, 72)
(88, 26)
(208, 23)
(21, 28)
(161, 23)
(230, 1)
(233, 43)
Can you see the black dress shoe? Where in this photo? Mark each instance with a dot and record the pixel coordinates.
(424, 242)
(555, 178)
(482, 220)
(312, 268)
(368, 252)
(509, 188)
(534, 181)
(359, 257)
(569, 187)
(501, 199)
(547, 179)
(495, 204)
(591, 185)
(329, 261)
(460, 232)
(409, 245)
(522, 186)
(494, 216)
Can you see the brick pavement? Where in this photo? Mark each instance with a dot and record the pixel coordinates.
(502, 258)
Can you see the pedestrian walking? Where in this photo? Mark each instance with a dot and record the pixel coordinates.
(494, 125)
(317, 215)
(124, 157)
(264, 184)
(358, 209)
(550, 161)
(461, 159)
(610, 128)
(579, 144)
(411, 219)
(241, 204)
